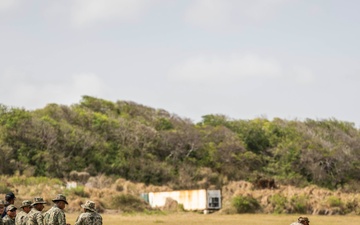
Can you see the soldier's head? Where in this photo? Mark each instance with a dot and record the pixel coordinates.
(38, 203)
(60, 201)
(10, 198)
(303, 220)
(26, 206)
(89, 206)
(11, 211)
(2, 206)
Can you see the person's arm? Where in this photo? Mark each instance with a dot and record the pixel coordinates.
(78, 220)
(39, 219)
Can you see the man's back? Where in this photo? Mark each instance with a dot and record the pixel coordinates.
(35, 217)
(54, 216)
(89, 218)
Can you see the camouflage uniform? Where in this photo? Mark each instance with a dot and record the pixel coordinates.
(303, 220)
(22, 216)
(90, 216)
(55, 215)
(8, 221)
(35, 217)
(2, 204)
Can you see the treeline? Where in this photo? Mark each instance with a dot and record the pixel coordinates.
(139, 143)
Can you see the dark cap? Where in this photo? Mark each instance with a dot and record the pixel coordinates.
(9, 196)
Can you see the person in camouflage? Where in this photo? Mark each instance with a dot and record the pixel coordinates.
(9, 219)
(89, 216)
(304, 220)
(35, 217)
(2, 209)
(9, 200)
(56, 215)
(21, 217)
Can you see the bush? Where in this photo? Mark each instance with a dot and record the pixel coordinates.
(299, 204)
(129, 203)
(79, 191)
(334, 201)
(245, 204)
(279, 203)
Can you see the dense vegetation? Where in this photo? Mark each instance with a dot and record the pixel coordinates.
(139, 143)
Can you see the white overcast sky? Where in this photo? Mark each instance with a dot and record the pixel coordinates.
(291, 59)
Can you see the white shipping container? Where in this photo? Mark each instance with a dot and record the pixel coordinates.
(190, 199)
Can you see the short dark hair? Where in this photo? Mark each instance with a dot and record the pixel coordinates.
(9, 196)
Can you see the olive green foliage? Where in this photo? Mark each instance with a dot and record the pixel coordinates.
(245, 204)
(280, 203)
(299, 204)
(334, 201)
(142, 144)
(78, 191)
(129, 203)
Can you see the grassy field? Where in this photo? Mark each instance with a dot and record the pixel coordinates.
(212, 219)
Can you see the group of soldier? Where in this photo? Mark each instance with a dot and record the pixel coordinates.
(31, 213)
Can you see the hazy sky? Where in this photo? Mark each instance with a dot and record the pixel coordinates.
(292, 59)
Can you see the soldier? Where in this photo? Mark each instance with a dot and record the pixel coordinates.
(35, 217)
(2, 209)
(56, 215)
(22, 216)
(9, 219)
(304, 220)
(9, 200)
(89, 216)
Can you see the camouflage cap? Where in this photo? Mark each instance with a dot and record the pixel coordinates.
(10, 208)
(60, 197)
(38, 200)
(25, 203)
(302, 219)
(90, 205)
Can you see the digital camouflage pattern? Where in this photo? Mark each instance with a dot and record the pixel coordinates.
(89, 218)
(21, 218)
(35, 217)
(54, 216)
(8, 221)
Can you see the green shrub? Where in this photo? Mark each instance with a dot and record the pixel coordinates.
(129, 203)
(334, 201)
(299, 204)
(245, 204)
(79, 191)
(279, 203)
